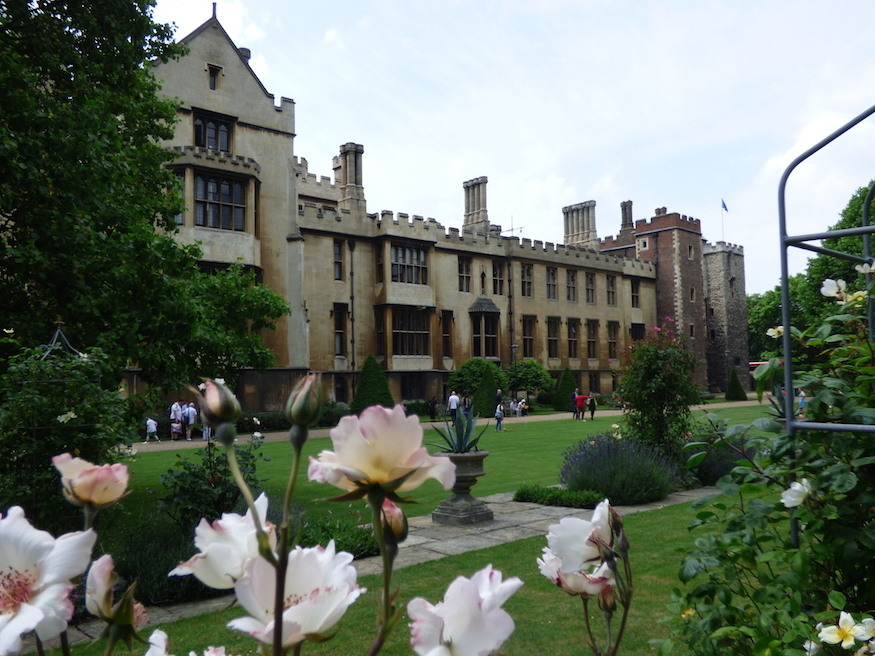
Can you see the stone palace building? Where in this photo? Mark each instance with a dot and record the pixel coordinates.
(421, 297)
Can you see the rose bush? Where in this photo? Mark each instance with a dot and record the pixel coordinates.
(787, 561)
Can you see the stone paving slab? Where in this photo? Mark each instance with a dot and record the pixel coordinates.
(463, 544)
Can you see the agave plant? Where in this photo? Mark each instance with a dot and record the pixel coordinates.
(460, 438)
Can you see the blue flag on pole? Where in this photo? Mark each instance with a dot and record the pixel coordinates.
(723, 202)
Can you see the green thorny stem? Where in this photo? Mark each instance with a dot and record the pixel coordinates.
(284, 543)
(386, 619)
(264, 549)
(611, 646)
(280, 559)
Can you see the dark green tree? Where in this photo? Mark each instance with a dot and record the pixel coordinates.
(467, 377)
(764, 314)
(822, 267)
(53, 404)
(564, 389)
(659, 386)
(531, 376)
(483, 403)
(736, 390)
(87, 202)
(372, 388)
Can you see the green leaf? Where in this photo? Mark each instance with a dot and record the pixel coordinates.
(837, 600)
(689, 568)
(844, 482)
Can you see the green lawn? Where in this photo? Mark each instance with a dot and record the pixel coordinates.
(525, 453)
(548, 621)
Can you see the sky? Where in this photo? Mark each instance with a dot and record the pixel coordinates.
(682, 104)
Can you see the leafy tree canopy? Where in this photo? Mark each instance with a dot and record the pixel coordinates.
(467, 377)
(764, 313)
(87, 203)
(531, 376)
(822, 267)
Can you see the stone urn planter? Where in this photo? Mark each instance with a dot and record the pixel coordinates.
(462, 508)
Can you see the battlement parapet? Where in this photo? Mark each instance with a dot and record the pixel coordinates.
(305, 177)
(192, 154)
(402, 225)
(722, 247)
(619, 241)
(665, 220)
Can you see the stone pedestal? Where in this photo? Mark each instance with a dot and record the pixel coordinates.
(462, 508)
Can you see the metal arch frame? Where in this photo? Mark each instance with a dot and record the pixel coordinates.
(800, 241)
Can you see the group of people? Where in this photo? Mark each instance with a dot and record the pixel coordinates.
(580, 403)
(183, 417)
(455, 403)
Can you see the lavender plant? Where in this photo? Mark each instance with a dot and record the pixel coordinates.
(623, 470)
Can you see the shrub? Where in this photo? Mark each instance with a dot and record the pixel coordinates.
(349, 535)
(546, 399)
(207, 488)
(555, 496)
(332, 412)
(372, 388)
(50, 403)
(263, 422)
(483, 403)
(735, 392)
(628, 472)
(712, 455)
(467, 377)
(418, 408)
(564, 390)
(351, 531)
(660, 387)
(150, 550)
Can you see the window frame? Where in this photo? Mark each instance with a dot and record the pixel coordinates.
(213, 132)
(339, 272)
(571, 285)
(409, 264)
(464, 273)
(553, 324)
(410, 332)
(613, 339)
(497, 278)
(340, 311)
(551, 283)
(528, 332)
(592, 339)
(211, 209)
(590, 287)
(573, 331)
(526, 280)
